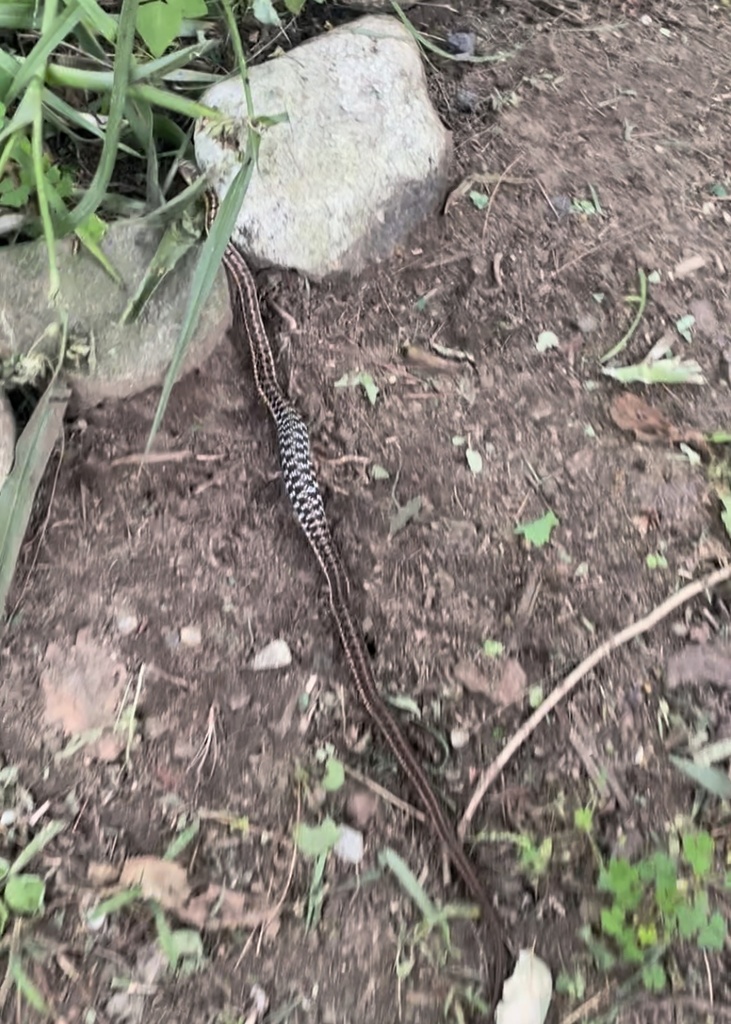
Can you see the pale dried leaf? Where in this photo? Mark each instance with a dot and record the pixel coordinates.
(527, 992)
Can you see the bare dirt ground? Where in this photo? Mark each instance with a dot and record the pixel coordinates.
(625, 109)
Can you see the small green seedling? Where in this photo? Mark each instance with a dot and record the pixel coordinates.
(22, 896)
(684, 326)
(315, 843)
(655, 561)
(655, 902)
(538, 532)
(359, 378)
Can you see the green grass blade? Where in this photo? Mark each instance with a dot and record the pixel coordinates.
(460, 58)
(205, 274)
(37, 843)
(20, 16)
(625, 339)
(26, 989)
(409, 883)
(174, 244)
(16, 498)
(122, 66)
(35, 63)
(152, 69)
(99, 20)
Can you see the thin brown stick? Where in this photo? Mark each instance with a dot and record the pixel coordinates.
(503, 177)
(662, 611)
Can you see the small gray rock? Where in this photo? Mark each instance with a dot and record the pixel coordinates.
(462, 43)
(349, 847)
(466, 100)
(275, 655)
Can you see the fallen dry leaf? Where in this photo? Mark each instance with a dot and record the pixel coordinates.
(468, 675)
(513, 681)
(81, 685)
(213, 909)
(632, 413)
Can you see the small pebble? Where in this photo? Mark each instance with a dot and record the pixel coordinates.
(349, 847)
(190, 636)
(586, 323)
(462, 42)
(127, 623)
(171, 638)
(466, 100)
(275, 655)
(459, 738)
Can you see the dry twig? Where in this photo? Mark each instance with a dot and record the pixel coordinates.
(643, 625)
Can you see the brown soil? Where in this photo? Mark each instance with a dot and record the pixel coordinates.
(633, 102)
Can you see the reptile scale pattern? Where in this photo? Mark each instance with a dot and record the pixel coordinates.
(304, 494)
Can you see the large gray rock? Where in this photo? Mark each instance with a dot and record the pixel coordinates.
(126, 359)
(362, 159)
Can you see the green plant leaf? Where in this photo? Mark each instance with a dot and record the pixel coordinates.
(316, 840)
(358, 378)
(96, 915)
(584, 820)
(479, 199)
(622, 880)
(654, 978)
(698, 852)
(713, 935)
(672, 370)
(647, 935)
(32, 453)
(4, 916)
(404, 515)
(265, 13)
(684, 327)
(182, 840)
(492, 648)
(334, 776)
(24, 894)
(294, 6)
(691, 919)
(538, 532)
(408, 881)
(26, 988)
(37, 843)
(159, 23)
(613, 921)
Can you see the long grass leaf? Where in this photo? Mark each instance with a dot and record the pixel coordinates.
(99, 20)
(174, 244)
(625, 339)
(25, 986)
(409, 883)
(35, 63)
(206, 269)
(16, 498)
(462, 58)
(122, 65)
(37, 843)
